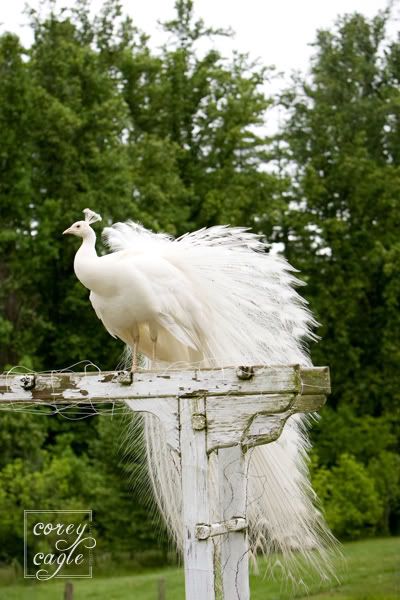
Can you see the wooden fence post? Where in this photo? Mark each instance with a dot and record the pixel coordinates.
(198, 554)
(68, 591)
(161, 588)
(234, 552)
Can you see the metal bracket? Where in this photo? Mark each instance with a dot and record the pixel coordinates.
(204, 531)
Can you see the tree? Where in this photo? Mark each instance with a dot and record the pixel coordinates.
(341, 227)
(351, 502)
(16, 315)
(199, 114)
(63, 122)
(341, 145)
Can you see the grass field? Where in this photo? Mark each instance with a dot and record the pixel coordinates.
(371, 569)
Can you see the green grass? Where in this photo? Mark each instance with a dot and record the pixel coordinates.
(370, 570)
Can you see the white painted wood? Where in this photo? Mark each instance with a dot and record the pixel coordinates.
(308, 402)
(107, 387)
(264, 429)
(198, 554)
(228, 418)
(234, 550)
(167, 411)
(253, 420)
(248, 424)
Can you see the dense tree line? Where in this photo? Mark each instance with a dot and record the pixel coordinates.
(91, 116)
(341, 229)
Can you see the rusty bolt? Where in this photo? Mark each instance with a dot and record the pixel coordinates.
(124, 377)
(28, 382)
(199, 422)
(245, 372)
(202, 531)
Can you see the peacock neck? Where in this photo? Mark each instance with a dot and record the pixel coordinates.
(88, 246)
(85, 263)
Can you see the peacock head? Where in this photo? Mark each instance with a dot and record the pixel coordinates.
(82, 228)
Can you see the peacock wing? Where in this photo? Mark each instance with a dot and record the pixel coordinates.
(96, 303)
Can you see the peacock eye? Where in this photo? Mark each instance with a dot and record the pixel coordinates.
(78, 226)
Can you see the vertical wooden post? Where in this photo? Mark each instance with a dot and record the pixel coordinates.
(234, 550)
(161, 588)
(198, 554)
(68, 591)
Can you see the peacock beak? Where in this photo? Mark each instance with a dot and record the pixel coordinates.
(67, 230)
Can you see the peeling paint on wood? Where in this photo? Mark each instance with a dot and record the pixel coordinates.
(234, 549)
(198, 555)
(114, 386)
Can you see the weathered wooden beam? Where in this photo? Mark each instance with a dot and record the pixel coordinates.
(120, 386)
(244, 406)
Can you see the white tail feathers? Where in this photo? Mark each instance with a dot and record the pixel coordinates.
(243, 309)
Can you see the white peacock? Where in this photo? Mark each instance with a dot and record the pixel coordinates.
(212, 298)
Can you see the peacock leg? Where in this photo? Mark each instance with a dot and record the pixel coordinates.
(154, 349)
(135, 349)
(153, 336)
(134, 358)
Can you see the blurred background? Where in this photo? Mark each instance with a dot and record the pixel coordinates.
(181, 130)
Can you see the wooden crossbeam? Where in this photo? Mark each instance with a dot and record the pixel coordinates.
(117, 386)
(245, 405)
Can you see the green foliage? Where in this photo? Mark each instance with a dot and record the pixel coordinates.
(52, 472)
(21, 437)
(351, 502)
(195, 121)
(365, 436)
(59, 480)
(124, 508)
(384, 468)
